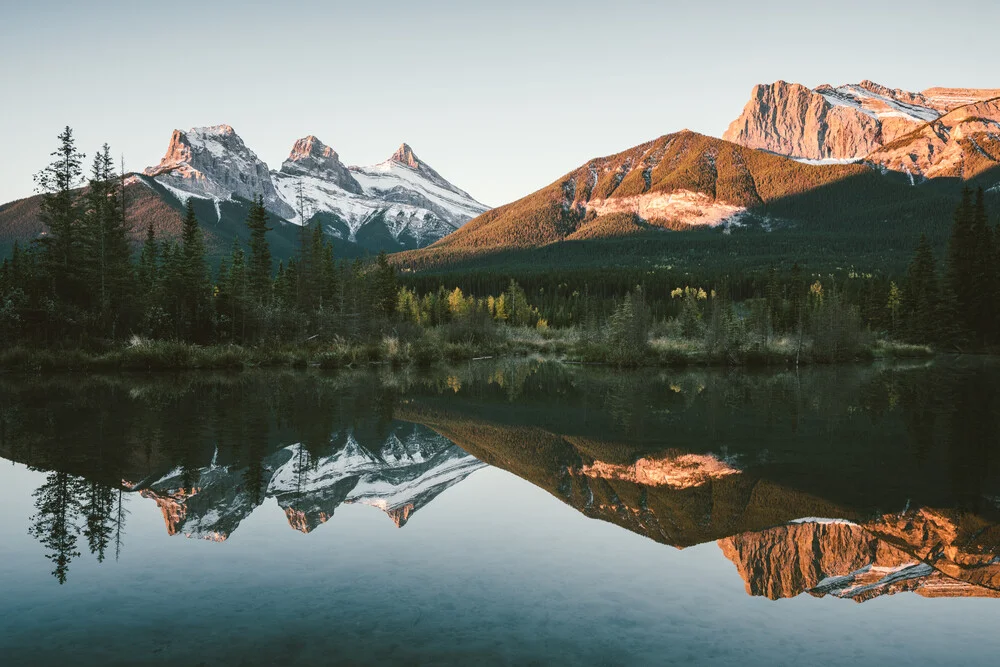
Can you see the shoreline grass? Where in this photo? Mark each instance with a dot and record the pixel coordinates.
(432, 349)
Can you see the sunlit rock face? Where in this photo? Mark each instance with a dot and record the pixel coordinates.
(923, 551)
(840, 123)
(310, 157)
(679, 471)
(214, 162)
(961, 144)
(410, 468)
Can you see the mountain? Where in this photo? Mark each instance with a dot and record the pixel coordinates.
(214, 162)
(843, 123)
(397, 204)
(413, 466)
(963, 144)
(740, 208)
(401, 203)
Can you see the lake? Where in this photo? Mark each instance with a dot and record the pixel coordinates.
(503, 512)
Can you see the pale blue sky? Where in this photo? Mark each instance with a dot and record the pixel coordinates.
(501, 98)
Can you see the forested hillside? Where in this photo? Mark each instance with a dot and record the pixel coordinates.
(739, 209)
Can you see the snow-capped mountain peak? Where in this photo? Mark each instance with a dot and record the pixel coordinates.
(213, 162)
(405, 155)
(402, 196)
(312, 158)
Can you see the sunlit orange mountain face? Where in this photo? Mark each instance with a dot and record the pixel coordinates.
(846, 482)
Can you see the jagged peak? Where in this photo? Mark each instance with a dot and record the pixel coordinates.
(225, 130)
(311, 146)
(404, 155)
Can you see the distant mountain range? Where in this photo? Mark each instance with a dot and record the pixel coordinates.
(401, 203)
(848, 175)
(861, 169)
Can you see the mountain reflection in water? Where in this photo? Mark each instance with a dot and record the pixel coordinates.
(850, 482)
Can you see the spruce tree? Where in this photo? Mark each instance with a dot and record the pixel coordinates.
(193, 285)
(59, 211)
(384, 288)
(105, 251)
(961, 262)
(920, 297)
(259, 269)
(148, 269)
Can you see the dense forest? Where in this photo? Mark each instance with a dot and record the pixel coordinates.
(84, 286)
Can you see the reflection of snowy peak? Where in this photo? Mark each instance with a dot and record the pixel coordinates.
(412, 467)
(401, 201)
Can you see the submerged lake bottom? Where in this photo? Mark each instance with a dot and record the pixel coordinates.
(503, 512)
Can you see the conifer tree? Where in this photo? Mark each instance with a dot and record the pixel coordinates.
(60, 213)
(384, 288)
(148, 270)
(919, 307)
(194, 278)
(259, 269)
(961, 262)
(105, 251)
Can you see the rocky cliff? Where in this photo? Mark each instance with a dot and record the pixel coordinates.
(933, 553)
(963, 143)
(214, 162)
(840, 123)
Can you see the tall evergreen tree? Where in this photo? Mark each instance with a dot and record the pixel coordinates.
(60, 212)
(148, 270)
(920, 301)
(259, 269)
(194, 278)
(961, 280)
(105, 250)
(385, 287)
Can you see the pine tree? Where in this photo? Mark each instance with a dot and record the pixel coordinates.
(60, 213)
(231, 299)
(105, 251)
(148, 270)
(920, 301)
(385, 287)
(194, 279)
(961, 266)
(259, 269)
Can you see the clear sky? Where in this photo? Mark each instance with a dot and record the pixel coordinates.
(501, 98)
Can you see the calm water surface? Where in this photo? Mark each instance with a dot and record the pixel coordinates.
(503, 513)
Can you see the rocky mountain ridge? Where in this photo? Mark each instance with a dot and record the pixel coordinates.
(403, 197)
(854, 122)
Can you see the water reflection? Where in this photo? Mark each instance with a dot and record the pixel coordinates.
(851, 482)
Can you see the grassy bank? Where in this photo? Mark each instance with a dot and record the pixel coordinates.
(433, 348)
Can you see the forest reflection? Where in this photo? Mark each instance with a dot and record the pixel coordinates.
(843, 471)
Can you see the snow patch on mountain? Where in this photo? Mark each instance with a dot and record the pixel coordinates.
(877, 105)
(683, 206)
(214, 162)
